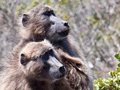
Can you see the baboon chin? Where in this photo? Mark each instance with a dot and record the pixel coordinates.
(38, 68)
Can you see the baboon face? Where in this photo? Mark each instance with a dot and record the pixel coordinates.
(40, 62)
(45, 24)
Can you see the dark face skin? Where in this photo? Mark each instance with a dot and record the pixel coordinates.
(43, 67)
(58, 29)
(45, 21)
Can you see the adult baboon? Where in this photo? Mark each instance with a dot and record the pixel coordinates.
(41, 23)
(37, 68)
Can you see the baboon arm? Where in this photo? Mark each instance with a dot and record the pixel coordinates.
(67, 57)
(66, 47)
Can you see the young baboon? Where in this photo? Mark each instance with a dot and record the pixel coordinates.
(37, 68)
(41, 23)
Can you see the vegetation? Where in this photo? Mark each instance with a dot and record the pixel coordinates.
(112, 83)
(95, 28)
(60, 6)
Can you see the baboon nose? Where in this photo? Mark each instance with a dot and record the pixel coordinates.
(66, 24)
(62, 70)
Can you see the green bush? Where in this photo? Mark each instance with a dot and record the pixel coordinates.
(112, 83)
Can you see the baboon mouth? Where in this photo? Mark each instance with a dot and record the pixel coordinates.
(64, 33)
(61, 76)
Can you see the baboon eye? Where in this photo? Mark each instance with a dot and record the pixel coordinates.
(49, 13)
(53, 13)
(47, 54)
(51, 52)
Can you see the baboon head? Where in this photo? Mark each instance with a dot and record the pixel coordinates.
(40, 62)
(41, 22)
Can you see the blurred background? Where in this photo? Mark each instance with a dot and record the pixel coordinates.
(95, 29)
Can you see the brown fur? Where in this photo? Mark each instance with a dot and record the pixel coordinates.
(36, 26)
(19, 77)
(77, 72)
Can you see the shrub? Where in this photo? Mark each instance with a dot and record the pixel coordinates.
(112, 83)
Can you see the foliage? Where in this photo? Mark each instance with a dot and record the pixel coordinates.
(60, 6)
(94, 20)
(117, 56)
(112, 83)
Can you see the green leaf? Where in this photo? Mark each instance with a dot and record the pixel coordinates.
(118, 69)
(117, 56)
(118, 65)
(112, 73)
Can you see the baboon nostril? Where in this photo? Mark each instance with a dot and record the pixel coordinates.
(66, 24)
(62, 69)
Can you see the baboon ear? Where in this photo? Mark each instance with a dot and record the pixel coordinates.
(25, 19)
(23, 59)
